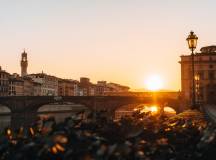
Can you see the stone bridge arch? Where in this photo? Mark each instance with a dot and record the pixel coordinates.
(38, 102)
(66, 106)
(173, 103)
(5, 117)
(4, 109)
(27, 106)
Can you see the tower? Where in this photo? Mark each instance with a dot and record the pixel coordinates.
(24, 64)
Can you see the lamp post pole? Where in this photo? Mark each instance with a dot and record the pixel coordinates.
(192, 43)
(193, 81)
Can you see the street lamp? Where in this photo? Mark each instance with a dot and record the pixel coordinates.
(192, 43)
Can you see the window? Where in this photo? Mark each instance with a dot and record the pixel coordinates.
(201, 75)
(211, 75)
(211, 66)
(210, 58)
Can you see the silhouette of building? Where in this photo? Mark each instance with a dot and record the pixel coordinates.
(205, 75)
(4, 82)
(24, 64)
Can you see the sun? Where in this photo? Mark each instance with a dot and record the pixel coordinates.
(154, 83)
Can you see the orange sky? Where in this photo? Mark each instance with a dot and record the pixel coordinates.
(118, 41)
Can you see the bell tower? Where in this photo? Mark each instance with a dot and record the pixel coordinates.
(24, 64)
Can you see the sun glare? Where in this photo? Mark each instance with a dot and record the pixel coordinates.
(154, 83)
(153, 109)
(145, 109)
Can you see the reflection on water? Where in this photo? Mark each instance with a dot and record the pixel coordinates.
(169, 111)
(153, 109)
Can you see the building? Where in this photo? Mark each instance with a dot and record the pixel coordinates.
(110, 89)
(24, 64)
(92, 90)
(76, 87)
(37, 89)
(4, 82)
(205, 75)
(49, 84)
(28, 86)
(85, 87)
(84, 81)
(16, 85)
(101, 88)
(66, 87)
(114, 89)
(23, 86)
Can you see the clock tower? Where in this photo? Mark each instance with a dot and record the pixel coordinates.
(24, 64)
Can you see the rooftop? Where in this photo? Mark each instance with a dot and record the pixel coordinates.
(3, 71)
(205, 51)
(208, 49)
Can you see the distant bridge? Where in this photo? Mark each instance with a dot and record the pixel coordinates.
(27, 106)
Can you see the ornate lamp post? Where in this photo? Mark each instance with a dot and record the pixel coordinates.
(192, 43)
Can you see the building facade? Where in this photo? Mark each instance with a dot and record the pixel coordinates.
(49, 84)
(205, 75)
(16, 85)
(37, 89)
(28, 86)
(66, 87)
(110, 89)
(85, 86)
(114, 87)
(4, 82)
(101, 88)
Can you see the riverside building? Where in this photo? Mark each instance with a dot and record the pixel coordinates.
(49, 84)
(67, 87)
(16, 85)
(205, 75)
(4, 82)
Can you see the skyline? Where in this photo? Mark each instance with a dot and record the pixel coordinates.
(120, 41)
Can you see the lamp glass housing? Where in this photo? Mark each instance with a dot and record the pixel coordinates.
(192, 40)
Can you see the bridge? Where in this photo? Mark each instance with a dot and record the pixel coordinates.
(22, 107)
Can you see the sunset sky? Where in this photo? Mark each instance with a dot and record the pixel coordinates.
(122, 41)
